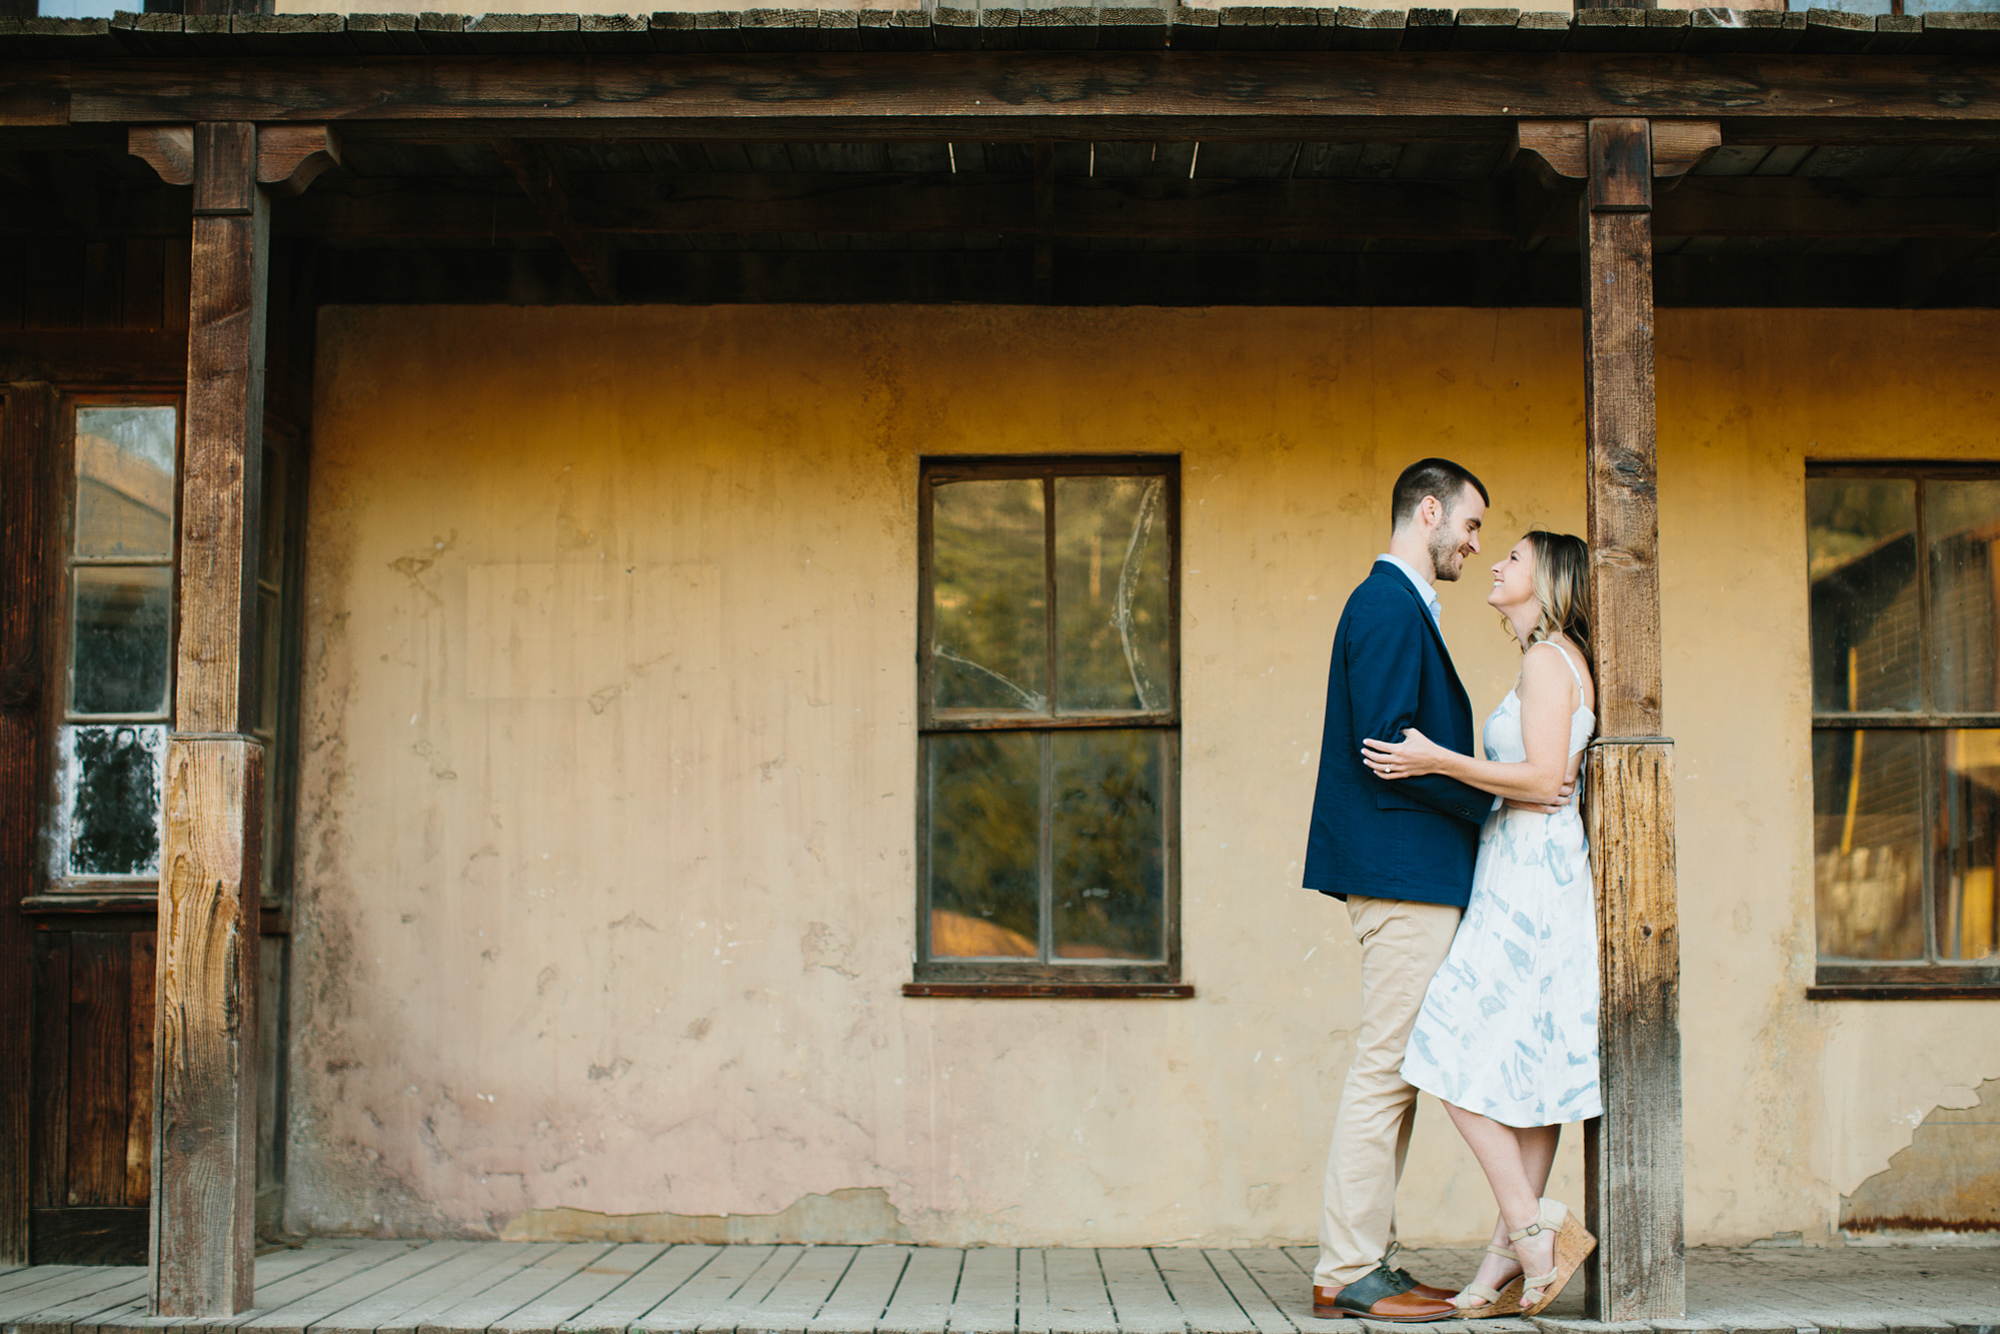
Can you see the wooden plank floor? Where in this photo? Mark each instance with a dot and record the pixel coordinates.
(454, 1287)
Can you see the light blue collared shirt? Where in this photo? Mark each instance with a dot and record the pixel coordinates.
(1422, 585)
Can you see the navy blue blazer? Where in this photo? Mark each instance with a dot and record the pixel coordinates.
(1414, 838)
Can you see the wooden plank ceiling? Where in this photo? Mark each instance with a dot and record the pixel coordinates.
(440, 197)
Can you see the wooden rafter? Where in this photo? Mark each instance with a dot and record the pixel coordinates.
(1033, 95)
(539, 171)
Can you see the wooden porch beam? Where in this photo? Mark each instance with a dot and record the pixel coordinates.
(538, 169)
(205, 1079)
(28, 414)
(1030, 94)
(468, 208)
(1632, 1154)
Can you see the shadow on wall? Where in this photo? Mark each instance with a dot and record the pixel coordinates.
(858, 1216)
(1944, 1186)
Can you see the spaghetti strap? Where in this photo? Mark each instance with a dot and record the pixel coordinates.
(1574, 673)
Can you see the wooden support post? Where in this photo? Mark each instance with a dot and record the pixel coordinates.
(27, 423)
(205, 1030)
(1632, 1155)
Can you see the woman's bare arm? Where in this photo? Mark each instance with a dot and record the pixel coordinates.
(1548, 697)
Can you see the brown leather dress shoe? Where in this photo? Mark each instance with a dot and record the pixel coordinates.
(1402, 1307)
(1380, 1294)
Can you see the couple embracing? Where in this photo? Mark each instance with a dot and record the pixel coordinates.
(1468, 884)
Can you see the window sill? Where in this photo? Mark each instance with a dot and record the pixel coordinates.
(272, 919)
(1858, 991)
(1051, 990)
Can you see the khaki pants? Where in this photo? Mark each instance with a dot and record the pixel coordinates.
(1402, 944)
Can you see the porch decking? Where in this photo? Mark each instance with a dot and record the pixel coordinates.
(342, 1286)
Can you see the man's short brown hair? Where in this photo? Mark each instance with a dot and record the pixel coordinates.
(1431, 477)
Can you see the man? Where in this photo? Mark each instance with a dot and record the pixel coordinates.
(1401, 855)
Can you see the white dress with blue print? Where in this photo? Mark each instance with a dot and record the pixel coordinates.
(1509, 1026)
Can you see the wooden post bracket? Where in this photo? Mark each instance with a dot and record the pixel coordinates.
(289, 157)
(1558, 151)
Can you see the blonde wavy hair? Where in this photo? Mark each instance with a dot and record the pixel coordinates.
(1561, 575)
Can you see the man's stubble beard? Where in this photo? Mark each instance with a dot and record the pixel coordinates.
(1445, 565)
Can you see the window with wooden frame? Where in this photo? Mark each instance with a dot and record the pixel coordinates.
(115, 646)
(1049, 723)
(1903, 563)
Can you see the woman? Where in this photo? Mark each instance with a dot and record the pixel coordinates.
(1507, 1037)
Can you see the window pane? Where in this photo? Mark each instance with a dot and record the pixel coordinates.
(1111, 593)
(1962, 522)
(989, 596)
(1109, 845)
(110, 800)
(985, 839)
(122, 639)
(125, 481)
(1862, 564)
(1965, 926)
(1869, 844)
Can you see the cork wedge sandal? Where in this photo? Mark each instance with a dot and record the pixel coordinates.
(1573, 1245)
(1486, 1303)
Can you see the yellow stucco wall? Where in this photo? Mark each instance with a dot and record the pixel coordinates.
(607, 814)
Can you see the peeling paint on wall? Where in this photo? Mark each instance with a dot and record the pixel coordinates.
(858, 1216)
(1946, 1181)
(607, 793)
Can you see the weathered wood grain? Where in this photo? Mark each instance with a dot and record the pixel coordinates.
(922, 1303)
(991, 95)
(1619, 433)
(167, 149)
(82, 1308)
(717, 1282)
(292, 157)
(1204, 1300)
(49, 1073)
(752, 1292)
(329, 1299)
(1632, 1155)
(1139, 1296)
(215, 692)
(864, 1292)
(1262, 1312)
(403, 1308)
(281, 1286)
(144, 967)
(203, 1195)
(204, 1043)
(64, 1283)
(27, 420)
(1289, 1288)
(581, 1290)
(988, 1291)
(100, 1006)
(475, 1314)
(791, 1305)
(1078, 1302)
(642, 1292)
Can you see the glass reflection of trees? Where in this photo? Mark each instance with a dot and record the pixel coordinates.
(1049, 844)
(1904, 586)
